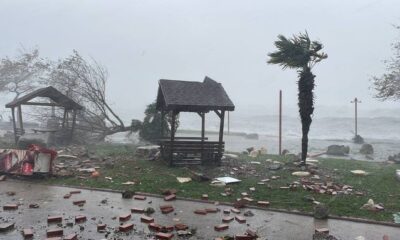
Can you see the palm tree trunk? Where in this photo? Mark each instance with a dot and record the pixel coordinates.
(306, 107)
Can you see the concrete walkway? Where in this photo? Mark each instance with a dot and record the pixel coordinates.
(269, 225)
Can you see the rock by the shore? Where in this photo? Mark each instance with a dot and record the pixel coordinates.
(366, 149)
(249, 149)
(358, 139)
(285, 151)
(395, 158)
(338, 150)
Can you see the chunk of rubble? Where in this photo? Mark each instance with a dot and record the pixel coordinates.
(54, 219)
(183, 233)
(359, 172)
(200, 211)
(227, 180)
(128, 183)
(10, 207)
(139, 197)
(221, 227)
(79, 202)
(227, 219)
(87, 170)
(161, 235)
(124, 217)
(6, 226)
(27, 233)
(166, 209)
(183, 179)
(55, 232)
(101, 227)
(126, 227)
(301, 174)
(240, 219)
(137, 210)
(371, 206)
(146, 219)
(72, 236)
(170, 197)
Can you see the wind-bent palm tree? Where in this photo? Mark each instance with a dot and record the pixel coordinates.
(300, 53)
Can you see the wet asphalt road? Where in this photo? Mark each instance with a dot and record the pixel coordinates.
(269, 225)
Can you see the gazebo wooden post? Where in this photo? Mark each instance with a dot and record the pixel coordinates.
(64, 118)
(21, 124)
(171, 156)
(73, 123)
(202, 114)
(221, 135)
(14, 125)
(162, 123)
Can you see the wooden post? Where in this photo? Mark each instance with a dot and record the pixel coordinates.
(14, 125)
(229, 124)
(64, 118)
(162, 123)
(221, 135)
(21, 124)
(280, 122)
(202, 135)
(171, 157)
(73, 123)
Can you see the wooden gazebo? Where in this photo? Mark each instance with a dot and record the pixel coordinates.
(57, 99)
(197, 97)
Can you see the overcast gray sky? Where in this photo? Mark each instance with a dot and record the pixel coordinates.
(142, 41)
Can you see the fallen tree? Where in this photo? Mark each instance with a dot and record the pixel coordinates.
(85, 82)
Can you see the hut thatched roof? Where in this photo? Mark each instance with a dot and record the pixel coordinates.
(186, 96)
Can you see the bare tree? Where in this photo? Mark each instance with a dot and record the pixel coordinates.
(387, 86)
(22, 74)
(85, 82)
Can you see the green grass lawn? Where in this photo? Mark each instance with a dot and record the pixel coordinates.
(154, 176)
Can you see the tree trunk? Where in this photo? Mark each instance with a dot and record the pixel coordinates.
(306, 107)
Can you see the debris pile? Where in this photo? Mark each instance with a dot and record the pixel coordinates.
(79, 161)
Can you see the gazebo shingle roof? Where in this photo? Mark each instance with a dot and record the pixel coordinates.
(49, 92)
(192, 96)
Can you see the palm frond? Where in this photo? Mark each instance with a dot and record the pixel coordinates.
(296, 52)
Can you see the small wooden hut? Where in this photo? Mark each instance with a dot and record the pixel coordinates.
(197, 97)
(57, 99)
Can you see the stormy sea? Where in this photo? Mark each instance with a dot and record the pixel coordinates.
(250, 130)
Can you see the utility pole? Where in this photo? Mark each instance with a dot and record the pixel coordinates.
(355, 101)
(280, 122)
